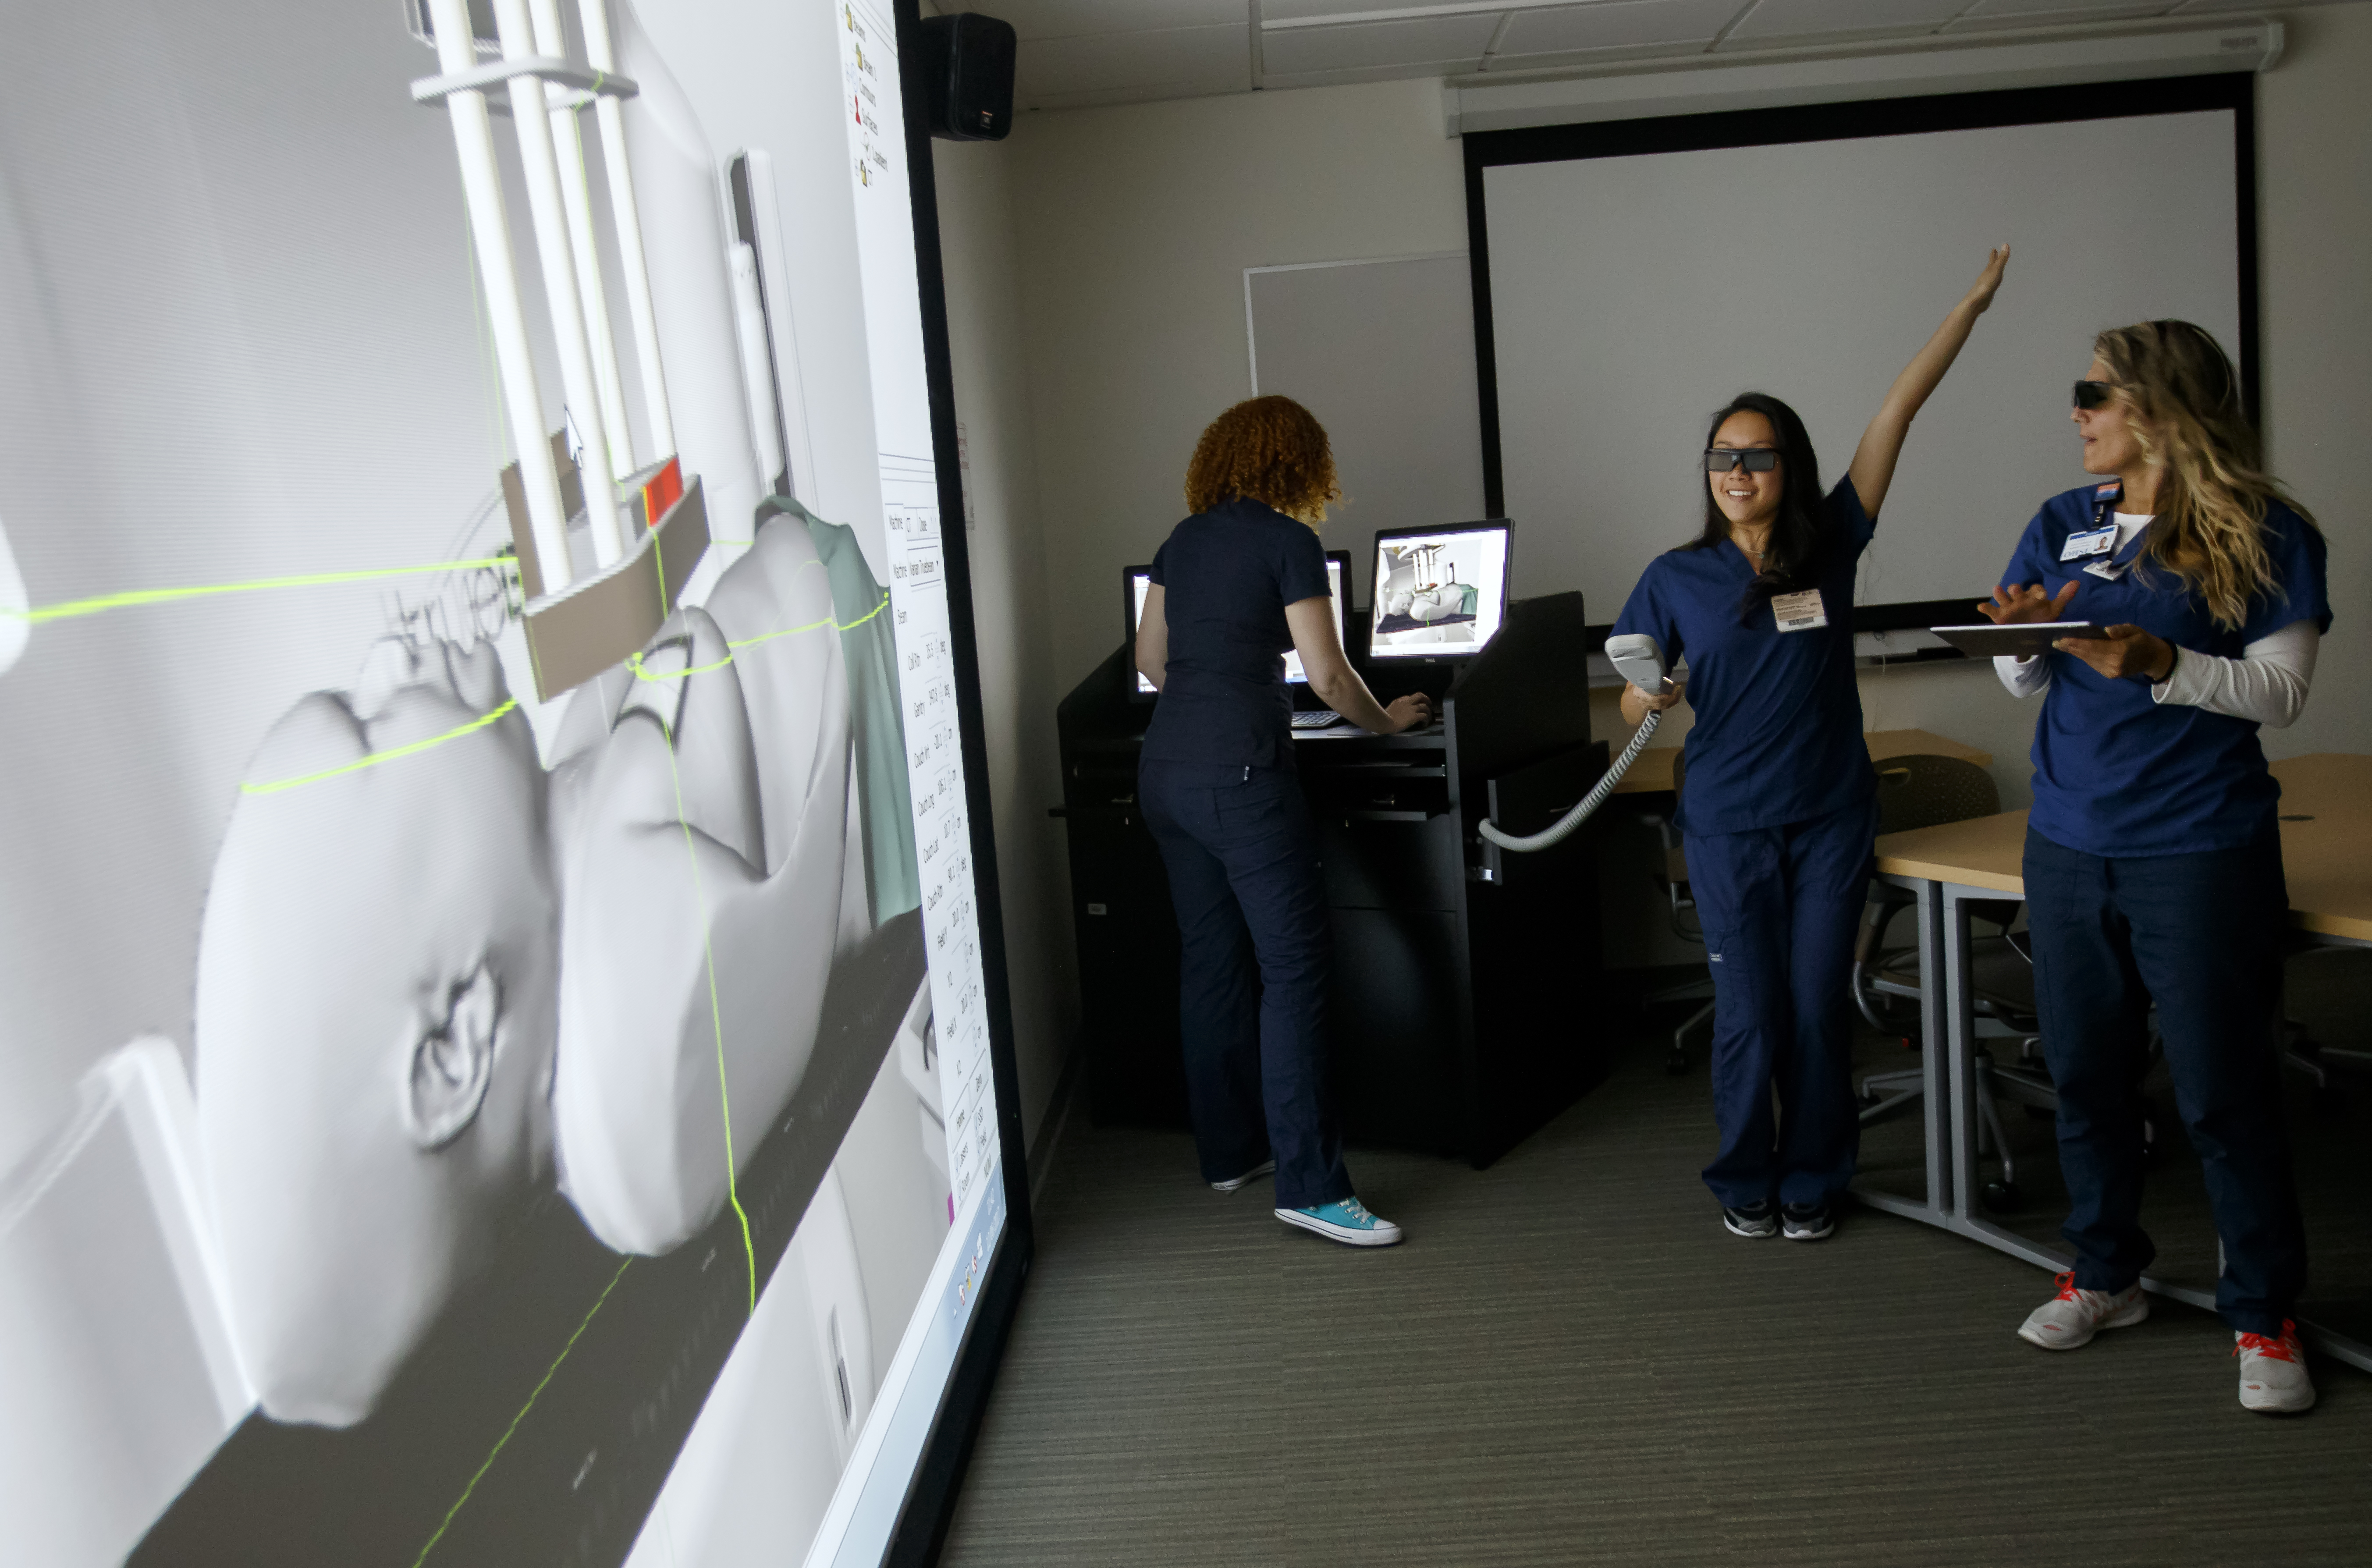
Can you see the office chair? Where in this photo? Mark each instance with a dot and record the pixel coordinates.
(2301, 1052)
(1925, 792)
(1675, 882)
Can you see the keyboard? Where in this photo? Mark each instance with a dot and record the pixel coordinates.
(1317, 719)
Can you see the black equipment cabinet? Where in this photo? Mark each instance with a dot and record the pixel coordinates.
(1462, 1017)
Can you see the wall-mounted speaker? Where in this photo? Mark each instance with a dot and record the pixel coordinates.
(967, 70)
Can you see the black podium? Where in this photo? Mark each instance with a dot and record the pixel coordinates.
(1462, 1017)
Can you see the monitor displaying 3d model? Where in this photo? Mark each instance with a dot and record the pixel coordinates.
(1440, 593)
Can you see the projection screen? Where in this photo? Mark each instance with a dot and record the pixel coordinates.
(1638, 276)
(501, 1047)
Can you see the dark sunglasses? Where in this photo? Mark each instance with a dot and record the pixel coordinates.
(1753, 459)
(2093, 394)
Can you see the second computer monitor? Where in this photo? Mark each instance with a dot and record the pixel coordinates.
(1439, 593)
(1138, 580)
(1338, 583)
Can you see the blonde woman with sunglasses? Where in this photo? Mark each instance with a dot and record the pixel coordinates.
(2153, 855)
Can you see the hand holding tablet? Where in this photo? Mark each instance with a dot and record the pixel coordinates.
(2024, 622)
(2016, 640)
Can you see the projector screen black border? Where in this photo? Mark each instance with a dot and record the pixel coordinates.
(930, 1499)
(2235, 90)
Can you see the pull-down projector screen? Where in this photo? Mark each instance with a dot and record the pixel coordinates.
(1639, 275)
(500, 1053)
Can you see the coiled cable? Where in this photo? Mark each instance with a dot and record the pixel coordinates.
(1588, 803)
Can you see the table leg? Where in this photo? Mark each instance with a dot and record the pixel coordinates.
(1959, 1007)
(1935, 1208)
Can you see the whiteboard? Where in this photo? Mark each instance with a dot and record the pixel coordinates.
(1382, 352)
(1633, 295)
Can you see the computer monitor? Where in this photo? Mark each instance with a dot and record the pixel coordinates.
(1439, 592)
(1338, 583)
(1135, 580)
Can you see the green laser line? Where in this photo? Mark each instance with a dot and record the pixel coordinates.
(634, 661)
(163, 596)
(513, 1428)
(389, 755)
(716, 1020)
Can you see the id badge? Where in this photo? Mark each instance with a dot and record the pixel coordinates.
(2106, 571)
(2088, 543)
(1799, 611)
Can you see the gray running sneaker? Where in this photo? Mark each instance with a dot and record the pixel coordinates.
(1753, 1221)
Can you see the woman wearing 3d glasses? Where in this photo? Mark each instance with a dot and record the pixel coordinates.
(1779, 805)
(2153, 857)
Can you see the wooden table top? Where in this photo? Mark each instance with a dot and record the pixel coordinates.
(1652, 771)
(2327, 843)
(2326, 846)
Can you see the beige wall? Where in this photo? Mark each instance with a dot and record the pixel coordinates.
(1137, 224)
(1009, 599)
(2314, 174)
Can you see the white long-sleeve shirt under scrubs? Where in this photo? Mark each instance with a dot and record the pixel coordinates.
(2267, 684)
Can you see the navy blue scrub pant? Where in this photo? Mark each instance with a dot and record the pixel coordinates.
(2201, 934)
(1254, 957)
(1781, 907)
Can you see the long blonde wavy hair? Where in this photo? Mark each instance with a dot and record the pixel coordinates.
(1268, 449)
(2182, 400)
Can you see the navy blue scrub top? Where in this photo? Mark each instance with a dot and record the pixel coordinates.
(1777, 737)
(2116, 772)
(1226, 576)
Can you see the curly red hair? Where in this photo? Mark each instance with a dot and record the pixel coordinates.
(1268, 450)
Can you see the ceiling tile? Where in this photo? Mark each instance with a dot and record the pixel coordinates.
(1078, 19)
(1215, 59)
(2051, 10)
(1792, 19)
(2194, 7)
(1274, 11)
(1614, 24)
(1455, 41)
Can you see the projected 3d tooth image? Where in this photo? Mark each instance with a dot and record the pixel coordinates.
(703, 873)
(529, 1046)
(375, 1022)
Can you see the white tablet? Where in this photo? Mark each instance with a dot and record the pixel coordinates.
(2022, 641)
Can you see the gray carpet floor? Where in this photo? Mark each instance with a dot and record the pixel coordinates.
(1570, 1362)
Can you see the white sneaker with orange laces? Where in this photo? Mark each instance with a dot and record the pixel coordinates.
(2273, 1372)
(2072, 1317)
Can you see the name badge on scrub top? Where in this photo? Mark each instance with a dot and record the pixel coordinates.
(2107, 571)
(1799, 611)
(2091, 542)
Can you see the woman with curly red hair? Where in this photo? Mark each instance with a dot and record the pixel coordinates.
(1238, 583)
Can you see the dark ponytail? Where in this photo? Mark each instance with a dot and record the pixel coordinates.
(1799, 542)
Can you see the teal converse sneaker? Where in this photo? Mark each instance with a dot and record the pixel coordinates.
(1347, 1222)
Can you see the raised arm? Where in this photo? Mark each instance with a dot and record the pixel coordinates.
(1881, 444)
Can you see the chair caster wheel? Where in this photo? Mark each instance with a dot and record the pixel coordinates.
(1676, 1064)
(2003, 1197)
